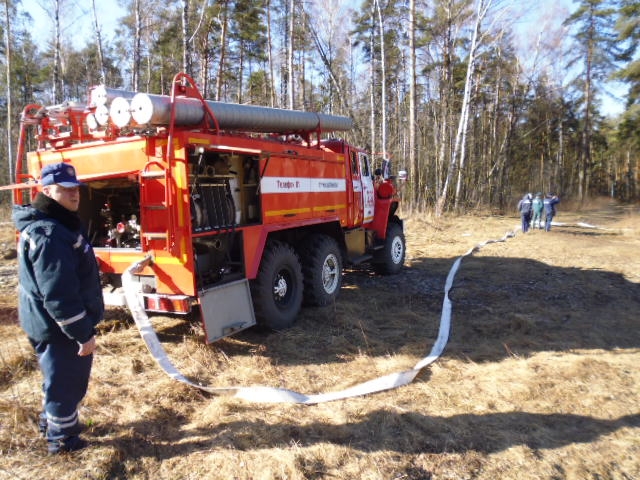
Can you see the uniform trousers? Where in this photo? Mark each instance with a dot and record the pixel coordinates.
(65, 382)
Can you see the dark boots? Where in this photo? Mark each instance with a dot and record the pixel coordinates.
(69, 444)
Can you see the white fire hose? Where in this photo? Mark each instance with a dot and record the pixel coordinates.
(262, 394)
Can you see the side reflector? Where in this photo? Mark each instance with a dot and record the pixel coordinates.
(166, 303)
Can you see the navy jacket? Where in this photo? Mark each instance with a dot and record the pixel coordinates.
(550, 205)
(59, 292)
(524, 205)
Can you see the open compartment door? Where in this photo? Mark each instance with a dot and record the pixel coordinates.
(226, 309)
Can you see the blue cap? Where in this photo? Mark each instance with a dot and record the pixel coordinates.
(61, 174)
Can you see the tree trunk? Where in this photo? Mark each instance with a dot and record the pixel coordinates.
(240, 74)
(103, 77)
(272, 97)
(201, 55)
(412, 93)
(57, 84)
(383, 87)
(223, 49)
(135, 80)
(7, 47)
(302, 91)
(457, 158)
(342, 98)
(186, 45)
(586, 134)
(446, 94)
(372, 80)
(290, 56)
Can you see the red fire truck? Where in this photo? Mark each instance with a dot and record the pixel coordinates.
(244, 212)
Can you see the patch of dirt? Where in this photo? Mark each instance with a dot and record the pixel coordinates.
(539, 379)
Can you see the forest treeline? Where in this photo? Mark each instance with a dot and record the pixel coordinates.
(476, 112)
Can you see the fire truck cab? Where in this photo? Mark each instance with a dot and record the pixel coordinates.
(235, 211)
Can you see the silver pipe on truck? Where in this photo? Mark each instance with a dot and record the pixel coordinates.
(148, 109)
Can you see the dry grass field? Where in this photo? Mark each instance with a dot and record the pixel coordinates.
(540, 378)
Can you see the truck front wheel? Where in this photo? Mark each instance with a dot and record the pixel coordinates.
(322, 269)
(390, 259)
(277, 289)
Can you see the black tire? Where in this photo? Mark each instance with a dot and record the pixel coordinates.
(277, 289)
(322, 270)
(390, 259)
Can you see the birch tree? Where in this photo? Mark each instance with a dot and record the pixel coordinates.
(440, 39)
(456, 162)
(327, 48)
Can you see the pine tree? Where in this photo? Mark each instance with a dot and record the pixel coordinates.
(596, 50)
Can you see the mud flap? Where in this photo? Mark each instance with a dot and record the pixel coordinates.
(226, 309)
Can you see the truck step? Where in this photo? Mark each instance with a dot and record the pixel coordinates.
(361, 259)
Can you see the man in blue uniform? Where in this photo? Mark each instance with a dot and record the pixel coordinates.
(60, 301)
(550, 202)
(524, 207)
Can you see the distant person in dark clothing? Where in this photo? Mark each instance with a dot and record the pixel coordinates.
(538, 208)
(550, 202)
(60, 301)
(525, 209)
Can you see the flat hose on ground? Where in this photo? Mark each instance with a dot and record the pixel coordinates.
(262, 394)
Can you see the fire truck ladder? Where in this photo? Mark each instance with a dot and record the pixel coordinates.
(155, 178)
(154, 193)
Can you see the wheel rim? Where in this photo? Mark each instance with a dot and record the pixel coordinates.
(330, 274)
(397, 250)
(281, 287)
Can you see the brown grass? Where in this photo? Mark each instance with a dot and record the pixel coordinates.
(539, 380)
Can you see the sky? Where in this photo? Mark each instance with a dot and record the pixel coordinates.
(540, 20)
(537, 16)
(79, 17)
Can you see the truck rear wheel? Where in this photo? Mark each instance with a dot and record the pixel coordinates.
(390, 259)
(277, 289)
(322, 269)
